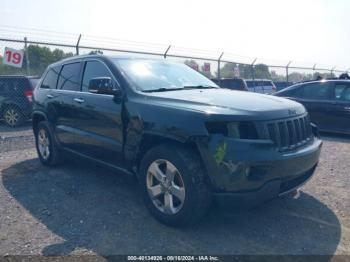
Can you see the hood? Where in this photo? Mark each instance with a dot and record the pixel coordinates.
(229, 102)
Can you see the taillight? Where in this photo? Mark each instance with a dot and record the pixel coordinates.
(274, 88)
(29, 95)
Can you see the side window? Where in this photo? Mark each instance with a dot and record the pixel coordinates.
(320, 91)
(297, 91)
(342, 92)
(50, 79)
(92, 70)
(69, 77)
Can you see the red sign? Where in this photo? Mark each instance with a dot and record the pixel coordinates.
(194, 66)
(206, 67)
(13, 57)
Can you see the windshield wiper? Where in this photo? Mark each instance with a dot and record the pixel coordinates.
(199, 87)
(162, 89)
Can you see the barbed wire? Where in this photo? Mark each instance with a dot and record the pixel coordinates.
(57, 38)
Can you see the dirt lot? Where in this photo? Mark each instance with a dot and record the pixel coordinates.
(80, 208)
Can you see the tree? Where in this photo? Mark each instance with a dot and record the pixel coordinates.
(96, 52)
(261, 71)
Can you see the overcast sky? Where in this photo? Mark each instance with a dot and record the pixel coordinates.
(305, 32)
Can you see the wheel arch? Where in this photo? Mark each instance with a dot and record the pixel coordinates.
(150, 140)
(37, 117)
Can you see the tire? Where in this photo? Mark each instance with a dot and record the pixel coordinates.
(189, 180)
(53, 155)
(13, 116)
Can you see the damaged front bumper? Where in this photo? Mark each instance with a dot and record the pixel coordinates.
(253, 171)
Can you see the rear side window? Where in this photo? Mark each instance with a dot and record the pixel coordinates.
(342, 91)
(250, 83)
(92, 70)
(69, 77)
(267, 83)
(320, 91)
(50, 79)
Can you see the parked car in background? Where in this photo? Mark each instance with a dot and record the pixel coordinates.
(184, 138)
(327, 101)
(232, 83)
(16, 98)
(262, 86)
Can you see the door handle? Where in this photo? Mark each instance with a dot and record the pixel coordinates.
(49, 96)
(79, 100)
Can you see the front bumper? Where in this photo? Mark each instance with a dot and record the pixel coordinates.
(268, 191)
(253, 170)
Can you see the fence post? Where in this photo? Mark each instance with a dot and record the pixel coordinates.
(77, 46)
(252, 68)
(332, 70)
(166, 51)
(313, 70)
(219, 59)
(27, 56)
(287, 70)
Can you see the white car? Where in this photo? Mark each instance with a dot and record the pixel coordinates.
(262, 86)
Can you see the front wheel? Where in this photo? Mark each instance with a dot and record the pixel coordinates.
(174, 185)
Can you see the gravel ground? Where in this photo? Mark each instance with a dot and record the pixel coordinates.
(80, 208)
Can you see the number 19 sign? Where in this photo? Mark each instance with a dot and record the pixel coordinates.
(13, 57)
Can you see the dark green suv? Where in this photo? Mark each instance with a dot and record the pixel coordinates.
(187, 140)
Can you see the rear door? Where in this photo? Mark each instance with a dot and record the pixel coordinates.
(63, 103)
(99, 118)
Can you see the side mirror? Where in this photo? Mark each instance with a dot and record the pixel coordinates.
(103, 85)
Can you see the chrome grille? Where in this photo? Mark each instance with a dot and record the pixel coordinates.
(291, 133)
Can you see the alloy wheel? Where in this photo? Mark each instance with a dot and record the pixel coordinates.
(12, 116)
(43, 144)
(165, 187)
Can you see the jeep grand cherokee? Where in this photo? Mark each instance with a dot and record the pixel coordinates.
(187, 140)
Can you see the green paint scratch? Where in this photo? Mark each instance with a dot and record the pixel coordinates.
(220, 153)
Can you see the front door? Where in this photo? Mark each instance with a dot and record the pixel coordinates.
(100, 123)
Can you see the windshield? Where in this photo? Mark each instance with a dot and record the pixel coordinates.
(148, 75)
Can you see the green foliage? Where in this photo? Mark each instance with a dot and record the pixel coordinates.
(245, 71)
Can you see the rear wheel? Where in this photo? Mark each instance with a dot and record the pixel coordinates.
(13, 116)
(174, 185)
(48, 151)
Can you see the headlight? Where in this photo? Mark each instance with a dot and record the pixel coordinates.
(241, 130)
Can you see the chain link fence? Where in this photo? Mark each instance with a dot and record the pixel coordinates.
(16, 92)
